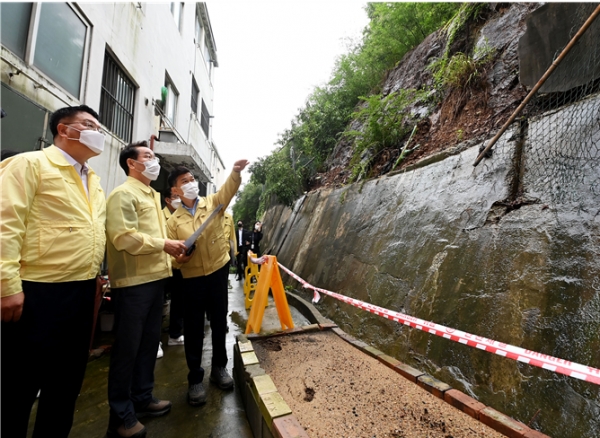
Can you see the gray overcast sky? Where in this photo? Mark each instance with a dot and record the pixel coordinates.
(271, 56)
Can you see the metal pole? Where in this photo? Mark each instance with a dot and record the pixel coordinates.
(558, 60)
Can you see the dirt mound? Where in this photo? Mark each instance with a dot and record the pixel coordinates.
(335, 390)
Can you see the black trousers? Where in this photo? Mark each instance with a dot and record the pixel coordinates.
(175, 287)
(204, 293)
(47, 350)
(242, 261)
(138, 317)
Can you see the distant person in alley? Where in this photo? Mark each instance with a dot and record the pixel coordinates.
(241, 237)
(254, 238)
(52, 244)
(205, 273)
(139, 263)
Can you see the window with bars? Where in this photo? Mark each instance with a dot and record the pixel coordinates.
(195, 93)
(205, 119)
(116, 102)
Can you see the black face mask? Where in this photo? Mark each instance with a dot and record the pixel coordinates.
(240, 225)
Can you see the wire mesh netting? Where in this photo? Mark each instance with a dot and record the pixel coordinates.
(561, 123)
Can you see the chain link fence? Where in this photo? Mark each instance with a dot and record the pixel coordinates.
(560, 126)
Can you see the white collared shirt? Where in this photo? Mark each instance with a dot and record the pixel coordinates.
(82, 171)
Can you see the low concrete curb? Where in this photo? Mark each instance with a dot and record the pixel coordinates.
(268, 413)
(270, 416)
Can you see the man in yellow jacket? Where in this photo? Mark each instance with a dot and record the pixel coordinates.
(205, 274)
(52, 244)
(139, 263)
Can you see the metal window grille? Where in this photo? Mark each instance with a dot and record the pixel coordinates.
(116, 102)
(195, 92)
(204, 120)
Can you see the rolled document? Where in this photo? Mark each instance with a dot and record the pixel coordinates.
(190, 242)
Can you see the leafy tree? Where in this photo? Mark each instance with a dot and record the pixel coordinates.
(246, 203)
(393, 30)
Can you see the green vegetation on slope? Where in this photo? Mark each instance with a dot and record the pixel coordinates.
(393, 30)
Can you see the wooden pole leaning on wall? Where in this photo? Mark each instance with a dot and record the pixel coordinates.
(269, 279)
(543, 79)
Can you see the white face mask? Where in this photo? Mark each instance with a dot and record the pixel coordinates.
(90, 138)
(176, 203)
(152, 169)
(190, 190)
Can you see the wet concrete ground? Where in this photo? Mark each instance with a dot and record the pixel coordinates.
(223, 414)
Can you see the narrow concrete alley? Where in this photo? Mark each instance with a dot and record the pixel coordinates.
(223, 414)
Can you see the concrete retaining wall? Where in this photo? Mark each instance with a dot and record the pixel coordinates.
(480, 249)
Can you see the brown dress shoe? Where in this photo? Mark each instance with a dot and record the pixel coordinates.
(136, 431)
(155, 408)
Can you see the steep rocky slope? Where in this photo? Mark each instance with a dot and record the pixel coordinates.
(458, 114)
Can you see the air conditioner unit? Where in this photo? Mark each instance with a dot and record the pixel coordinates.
(167, 137)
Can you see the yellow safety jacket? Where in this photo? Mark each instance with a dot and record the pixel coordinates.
(50, 231)
(167, 213)
(212, 247)
(229, 230)
(135, 226)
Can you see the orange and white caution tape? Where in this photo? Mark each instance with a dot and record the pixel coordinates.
(572, 369)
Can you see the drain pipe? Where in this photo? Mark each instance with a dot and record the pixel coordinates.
(152, 138)
(550, 70)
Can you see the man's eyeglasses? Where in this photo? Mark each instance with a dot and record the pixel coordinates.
(148, 158)
(88, 125)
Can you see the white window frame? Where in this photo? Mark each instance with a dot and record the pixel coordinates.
(194, 83)
(198, 35)
(34, 24)
(172, 89)
(208, 62)
(181, 7)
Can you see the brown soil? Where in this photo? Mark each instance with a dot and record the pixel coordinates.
(335, 390)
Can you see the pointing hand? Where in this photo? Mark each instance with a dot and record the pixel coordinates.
(240, 165)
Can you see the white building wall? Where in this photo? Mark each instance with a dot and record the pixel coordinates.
(146, 42)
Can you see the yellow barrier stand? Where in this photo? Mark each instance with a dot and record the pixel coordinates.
(249, 285)
(269, 278)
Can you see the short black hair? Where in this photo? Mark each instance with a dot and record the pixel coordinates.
(67, 112)
(176, 173)
(167, 193)
(130, 151)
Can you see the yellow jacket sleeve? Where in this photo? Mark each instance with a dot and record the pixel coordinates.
(232, 242)
(228, 190)
(171, 235)
(19, 180)
(122, 227)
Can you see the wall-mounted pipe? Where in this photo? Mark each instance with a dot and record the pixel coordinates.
(152, 138)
